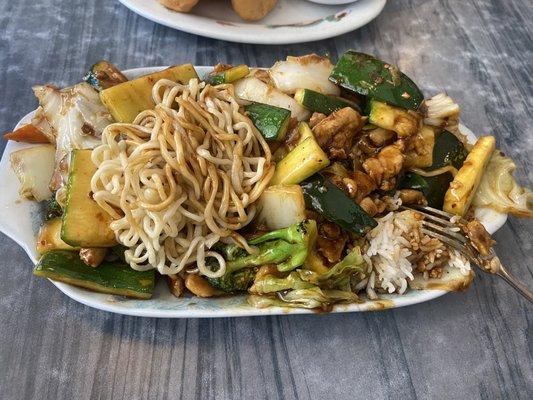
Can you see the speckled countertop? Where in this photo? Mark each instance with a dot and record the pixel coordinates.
(461, 346)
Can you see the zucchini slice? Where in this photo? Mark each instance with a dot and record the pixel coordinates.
(303, 161)
(84, 223)
(422, 156)
(49, 237)
(318, 102)
(228, 76)
(103, 75)
(368, 76)
(127, 99)
(464, 185)
(110, 277)
(393, 119)
(271, 121)
(447, 150)
(322, 196)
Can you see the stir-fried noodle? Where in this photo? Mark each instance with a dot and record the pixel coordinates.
(181, 177)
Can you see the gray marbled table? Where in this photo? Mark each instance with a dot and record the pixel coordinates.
(462, 346)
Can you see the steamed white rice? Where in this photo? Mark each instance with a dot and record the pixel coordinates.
(393, 244)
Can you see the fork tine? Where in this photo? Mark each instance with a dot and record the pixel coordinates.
(436, 219)
(445, 231)
(435, 211)
(447, 240)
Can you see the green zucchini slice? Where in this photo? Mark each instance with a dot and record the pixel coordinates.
(368, 76)
(271, 121)
(103, 75)
(448, 150)
(228, 76)
(110, 277)
(318, 102)
(84, 223)
(393, 118)
(322, 196)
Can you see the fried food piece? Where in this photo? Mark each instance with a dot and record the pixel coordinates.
(336, 132)
(253, 10)
(386, 165)
(179, 5)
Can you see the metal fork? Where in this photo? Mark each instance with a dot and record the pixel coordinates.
(438, 224)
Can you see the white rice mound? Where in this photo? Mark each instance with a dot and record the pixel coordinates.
(391, 247)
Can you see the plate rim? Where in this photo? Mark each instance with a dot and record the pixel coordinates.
(289, 34)
(109, 303)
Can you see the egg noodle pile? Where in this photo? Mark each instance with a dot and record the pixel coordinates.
(181, 177)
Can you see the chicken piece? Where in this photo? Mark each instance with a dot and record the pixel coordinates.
(200, 287)
(253, 10)
(347, 185)
(373, 206)
(357, 186)
(410, 196)
(316, 118)
(336, 132)
(479, 237)
(175, 285)
(386, 165)
(93, 257)
(365, 185)
(381, 137)
(330, 241)
(179, 5)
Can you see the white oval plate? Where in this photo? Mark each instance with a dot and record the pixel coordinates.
(20, 219)
(292, 21)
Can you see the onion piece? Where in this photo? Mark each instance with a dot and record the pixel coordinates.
(253, 89)
(34, 167)
(305, 72)
(281, 206)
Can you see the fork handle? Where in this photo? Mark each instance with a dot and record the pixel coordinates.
(515, 283)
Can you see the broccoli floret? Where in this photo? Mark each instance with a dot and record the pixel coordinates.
(287, 248)
(53, 209)
(238, 281)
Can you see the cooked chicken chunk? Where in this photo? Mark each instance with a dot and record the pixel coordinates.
(373, 206)
(357, 186)
(386, 165)
(316, 118)
(410, 196)
(336, 132)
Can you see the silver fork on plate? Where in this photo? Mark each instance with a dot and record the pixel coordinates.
(440, 225)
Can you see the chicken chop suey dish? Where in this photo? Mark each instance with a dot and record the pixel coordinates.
(284, 183)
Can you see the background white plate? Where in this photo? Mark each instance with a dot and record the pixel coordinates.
(20, 220)
(292, 21)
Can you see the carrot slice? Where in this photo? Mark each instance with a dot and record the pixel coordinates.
(27, 133)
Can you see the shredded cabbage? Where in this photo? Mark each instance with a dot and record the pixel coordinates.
(500, 191)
